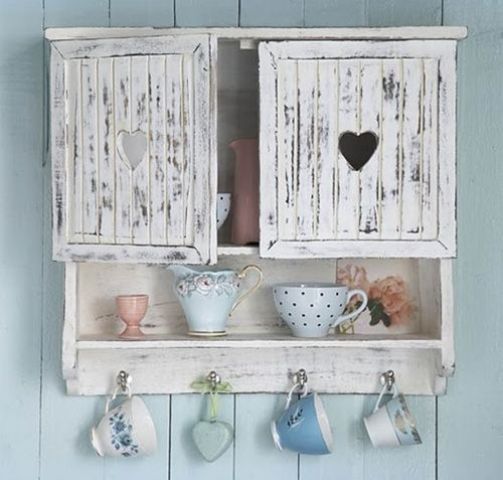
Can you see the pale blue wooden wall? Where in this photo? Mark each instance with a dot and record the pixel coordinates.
(43, 433)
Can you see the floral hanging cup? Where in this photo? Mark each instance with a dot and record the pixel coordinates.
(209, 297)
(391, 424)
(125, 431)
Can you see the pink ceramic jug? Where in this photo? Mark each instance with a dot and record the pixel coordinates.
(245, 198)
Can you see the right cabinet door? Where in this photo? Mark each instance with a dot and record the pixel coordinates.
(357, 148)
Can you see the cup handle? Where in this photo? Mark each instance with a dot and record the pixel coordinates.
(114, 396)
(357, 312)
(252, 289)
(381, 396)
(303, 392)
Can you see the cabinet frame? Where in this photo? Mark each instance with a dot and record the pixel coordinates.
(203, 247)
(254, 364)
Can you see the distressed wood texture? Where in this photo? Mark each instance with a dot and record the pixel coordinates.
(402, 201)
(258, 354)
(104, 93)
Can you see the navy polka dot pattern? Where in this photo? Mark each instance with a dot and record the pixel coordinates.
(310, 309)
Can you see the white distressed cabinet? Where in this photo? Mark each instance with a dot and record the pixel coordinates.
(357, 164)
(132, 120)
(401, 202)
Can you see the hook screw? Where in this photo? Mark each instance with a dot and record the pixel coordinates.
(300, 378)
(214, 379)
(124, 380)
(388, 379)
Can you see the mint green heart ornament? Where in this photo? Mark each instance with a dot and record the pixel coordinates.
(212, 437)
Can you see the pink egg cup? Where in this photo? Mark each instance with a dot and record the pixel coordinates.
(131, 310)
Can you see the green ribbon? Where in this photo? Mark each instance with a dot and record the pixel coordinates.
(206, 387)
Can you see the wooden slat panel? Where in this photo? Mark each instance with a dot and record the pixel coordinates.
(158, 180)
(254, 444)
(348, 191)
(89, 149)
(389, 147)
(412, 148)
(106, 152)
(187, 125)
(307, 159)
(122, 104)
(429, 194)
(140, 121)
(370, 120)
(74, 155)
(328, 134)
(175, 157)
(287, 110)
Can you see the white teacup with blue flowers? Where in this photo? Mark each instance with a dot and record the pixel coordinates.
(125, 431)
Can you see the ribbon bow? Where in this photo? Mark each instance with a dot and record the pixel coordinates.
(205, 386)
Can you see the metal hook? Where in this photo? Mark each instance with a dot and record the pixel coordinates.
(124, 380)
(388, 379)
(214, 379)
(300, 378)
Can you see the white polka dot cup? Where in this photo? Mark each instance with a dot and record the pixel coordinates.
(311, 309)
(223, 208)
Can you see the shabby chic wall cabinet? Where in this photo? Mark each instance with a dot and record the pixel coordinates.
(357, 159)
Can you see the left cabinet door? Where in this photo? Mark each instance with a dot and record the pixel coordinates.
(132, 148)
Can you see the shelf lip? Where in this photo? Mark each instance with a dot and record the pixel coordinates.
(260, 341)
(265, 33)
(237, 249)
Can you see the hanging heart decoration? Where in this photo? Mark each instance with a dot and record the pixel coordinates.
(357, 149)
(132, 147)
(212, 437)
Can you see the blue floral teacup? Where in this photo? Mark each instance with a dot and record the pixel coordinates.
(125, 431)
(303, 427)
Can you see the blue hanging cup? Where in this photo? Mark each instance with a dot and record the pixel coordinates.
(303, 427)
(209, 297)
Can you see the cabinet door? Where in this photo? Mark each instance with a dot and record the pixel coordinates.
(357, 148)
(132, 150)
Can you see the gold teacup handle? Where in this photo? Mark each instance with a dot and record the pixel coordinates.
(241, 275)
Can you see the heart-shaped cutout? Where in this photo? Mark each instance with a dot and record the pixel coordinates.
(132, 147)
(357, 149)
(212, 438)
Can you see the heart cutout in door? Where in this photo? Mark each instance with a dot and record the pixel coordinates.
(132, 147)
(357, 149)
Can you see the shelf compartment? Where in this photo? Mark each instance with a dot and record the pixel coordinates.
(258, 355)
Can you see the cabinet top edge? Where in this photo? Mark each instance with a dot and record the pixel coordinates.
(332, 33)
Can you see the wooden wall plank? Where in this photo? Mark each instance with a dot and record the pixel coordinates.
(59, 13)
(417, 461)
(347, 460)
(186, 463)
(478, 379)
(201, 13)
(334, 13)
(254, 444)
(263, 13)
(399, 12)
(147, 13)
(21, 92)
